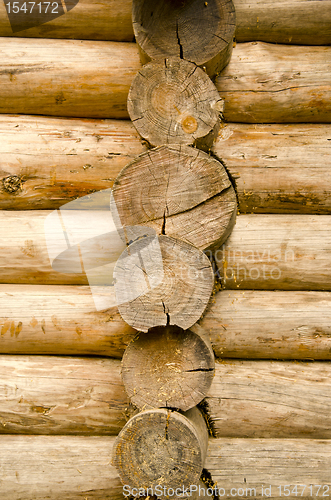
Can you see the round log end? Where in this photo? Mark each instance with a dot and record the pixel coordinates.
(162, 281)
(198, 31)
(168, 367)
(161, 447)
(179, 191)
(174, 102)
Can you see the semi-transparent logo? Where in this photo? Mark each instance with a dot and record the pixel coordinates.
(86, 237)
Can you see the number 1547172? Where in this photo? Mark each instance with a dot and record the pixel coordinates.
(28, 7)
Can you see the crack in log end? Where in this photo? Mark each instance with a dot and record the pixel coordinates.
(207, 479)
(203, 406)
(167, 426)
(166, 313)
(12, 184)
(232, 179)
(201, 370)
(181, 52)
(164, 223)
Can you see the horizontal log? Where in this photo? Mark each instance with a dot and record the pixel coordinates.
(50, 161)
(47, 162)
(79, 467)
(241, 324)
(61, 395)
(263, 83)
(92, 78)
(298, 22)
(267, 252)
(277, 252)
(89, 19)
(251, 399)
(278, 168)
(268, 83)
(237, 464)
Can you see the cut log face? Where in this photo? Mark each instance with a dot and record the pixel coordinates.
(162, 281)
(161, 447)
(197, 31)
(179, 191)
(174, 102)
(168, 367)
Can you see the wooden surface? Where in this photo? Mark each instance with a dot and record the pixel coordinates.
(263, 252)
(295, 22)
(174, 102)
(162, 447)
(299, 89)
(271, 324)
(198, 32)
(241, 324)
(79, 467)
(268, 83)
(92, 78)
(178, 191)
(278, 168)
(162, 281)
(168, 367)
(247, 398)
(57, 160)
(249, 463)
(61, 395)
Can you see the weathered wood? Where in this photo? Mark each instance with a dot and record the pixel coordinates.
(277, 252)
(89, 19)
(296, 22)
(174, 102)
(162, 281)
(46, 162)
(161, 447)
(257, 463)
(272, 325)
(178, 191)
(267, 252)
(79, 467)
(268, 83)
(269, 399)
(198, 32)
(241, 324)
(168, 367)
(278, 168)
(92, 78)
(61, 395)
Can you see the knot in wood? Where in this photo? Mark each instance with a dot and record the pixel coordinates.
(12, 183)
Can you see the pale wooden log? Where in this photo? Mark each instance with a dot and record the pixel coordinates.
(175, 189)
(268, 83)
(272, 325)
(161, 447)
(168, 367)
(92, 78)
(278, 168)
(277, 252)
(61, 395)
(89, 19)
(261, 398)
(198, 32)
(251, 464)
(241, 324)
(267, 252)
(46, 162)
(296, 22)
(79, 467)
(162, 281)
(174, 102)
(269, 399)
